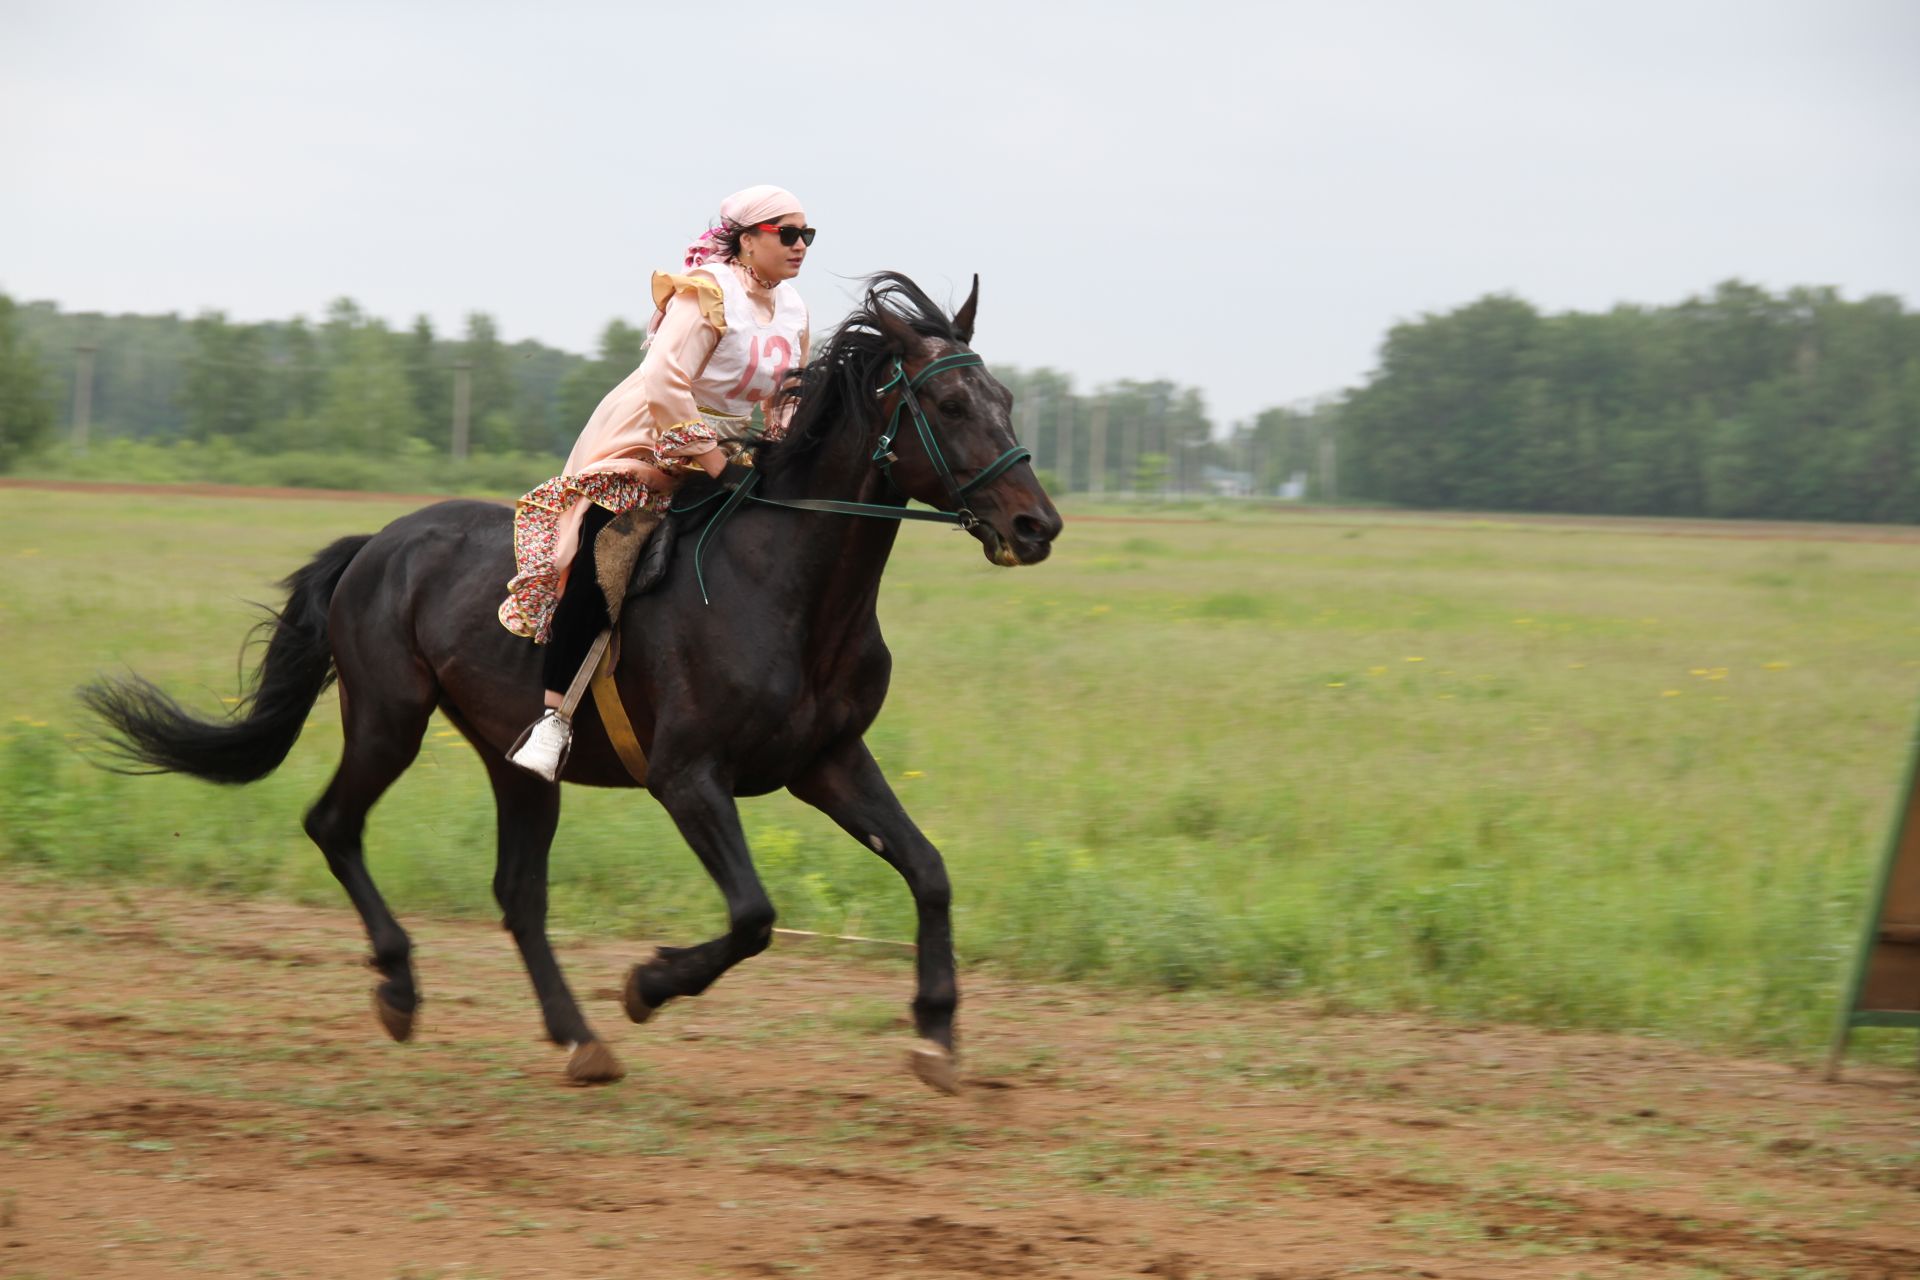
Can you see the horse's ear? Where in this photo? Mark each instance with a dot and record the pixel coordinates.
(899, 334)
(963, 318)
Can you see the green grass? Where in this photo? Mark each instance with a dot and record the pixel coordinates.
(1553, 775)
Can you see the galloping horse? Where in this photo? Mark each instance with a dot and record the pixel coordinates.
(773, 686)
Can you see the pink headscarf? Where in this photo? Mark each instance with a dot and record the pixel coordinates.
(742, 208)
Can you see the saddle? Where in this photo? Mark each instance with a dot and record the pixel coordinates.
(630, 557)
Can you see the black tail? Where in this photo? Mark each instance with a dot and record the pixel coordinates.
(151, 733)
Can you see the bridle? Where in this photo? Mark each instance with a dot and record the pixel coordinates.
(884, 457)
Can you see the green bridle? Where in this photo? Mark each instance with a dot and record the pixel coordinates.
(884, 457)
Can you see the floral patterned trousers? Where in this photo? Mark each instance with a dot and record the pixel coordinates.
(534, 592)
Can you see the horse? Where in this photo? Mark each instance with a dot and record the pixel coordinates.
(773, 685)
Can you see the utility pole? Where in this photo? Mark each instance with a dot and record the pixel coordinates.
(82, 394)
(1159, 438)
(462, 406)
(1097, 448)
(1130, 456)
(1063, 445)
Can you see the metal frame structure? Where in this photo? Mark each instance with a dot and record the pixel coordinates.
(1889, 952)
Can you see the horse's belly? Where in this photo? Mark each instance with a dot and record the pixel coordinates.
(775, 751)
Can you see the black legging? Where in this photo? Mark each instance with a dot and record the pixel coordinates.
(582, 612)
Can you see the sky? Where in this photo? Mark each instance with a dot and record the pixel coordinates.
(1241, 197)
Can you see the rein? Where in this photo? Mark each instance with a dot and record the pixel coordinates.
(884, 457)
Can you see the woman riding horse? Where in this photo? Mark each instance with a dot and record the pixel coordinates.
(776, 689)
(722, 340)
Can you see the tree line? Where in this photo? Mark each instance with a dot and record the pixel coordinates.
(348, 383)
(1742, 403)
(1801, 405)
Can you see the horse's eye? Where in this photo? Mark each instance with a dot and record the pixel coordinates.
(952, 408)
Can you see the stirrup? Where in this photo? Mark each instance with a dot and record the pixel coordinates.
(543, 748)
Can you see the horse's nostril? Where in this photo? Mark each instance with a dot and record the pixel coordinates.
(1031, 529)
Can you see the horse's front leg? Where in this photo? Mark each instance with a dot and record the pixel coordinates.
(701, 805)
(848, 786)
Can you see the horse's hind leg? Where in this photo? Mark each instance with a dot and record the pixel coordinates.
(528, 810)
(849, 787)
(703, 808)
(381, 741)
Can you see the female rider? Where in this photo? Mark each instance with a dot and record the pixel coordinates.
(721, 342)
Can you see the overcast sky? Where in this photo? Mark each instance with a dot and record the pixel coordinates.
(1240, 197)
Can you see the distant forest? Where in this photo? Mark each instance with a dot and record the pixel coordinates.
(1739, 403)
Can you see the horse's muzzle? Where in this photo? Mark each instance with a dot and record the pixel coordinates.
(1027, 538)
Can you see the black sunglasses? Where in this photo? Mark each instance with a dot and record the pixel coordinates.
(790, 235)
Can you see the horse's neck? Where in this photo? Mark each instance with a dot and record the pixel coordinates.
(839, 559)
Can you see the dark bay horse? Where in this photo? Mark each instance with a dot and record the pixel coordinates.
(772, 685)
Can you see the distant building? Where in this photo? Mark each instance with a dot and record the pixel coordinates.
(1226, 484)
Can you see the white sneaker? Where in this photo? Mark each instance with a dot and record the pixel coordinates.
(542, 749)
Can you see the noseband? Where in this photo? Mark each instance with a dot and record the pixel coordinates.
(884, 457)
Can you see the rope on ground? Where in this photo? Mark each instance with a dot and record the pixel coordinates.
(888, 943)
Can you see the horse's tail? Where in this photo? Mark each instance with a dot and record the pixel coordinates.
(149, 732)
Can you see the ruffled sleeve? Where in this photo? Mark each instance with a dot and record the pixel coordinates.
(703, 291)
(655, 405)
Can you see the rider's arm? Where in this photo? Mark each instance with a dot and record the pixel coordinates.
(679, 351)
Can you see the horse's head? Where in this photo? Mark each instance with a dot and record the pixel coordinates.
(949, 439)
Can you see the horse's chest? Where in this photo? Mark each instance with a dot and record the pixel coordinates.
(790, 718)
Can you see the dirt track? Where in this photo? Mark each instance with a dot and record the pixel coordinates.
(192, 1086)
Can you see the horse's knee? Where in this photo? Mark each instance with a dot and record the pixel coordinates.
(935, 894)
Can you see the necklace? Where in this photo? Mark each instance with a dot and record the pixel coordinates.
(758, 279)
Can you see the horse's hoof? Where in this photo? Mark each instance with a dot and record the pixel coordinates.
(593, 1063)
(632, 1000)
(935, 1066)
(398, 1022)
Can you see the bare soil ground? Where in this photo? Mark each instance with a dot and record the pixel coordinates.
(195, 1086)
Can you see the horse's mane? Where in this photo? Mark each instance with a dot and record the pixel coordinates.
(835, 390)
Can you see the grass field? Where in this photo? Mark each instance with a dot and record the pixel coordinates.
(1544, 773)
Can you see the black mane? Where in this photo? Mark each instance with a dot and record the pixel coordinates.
(836, 388)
